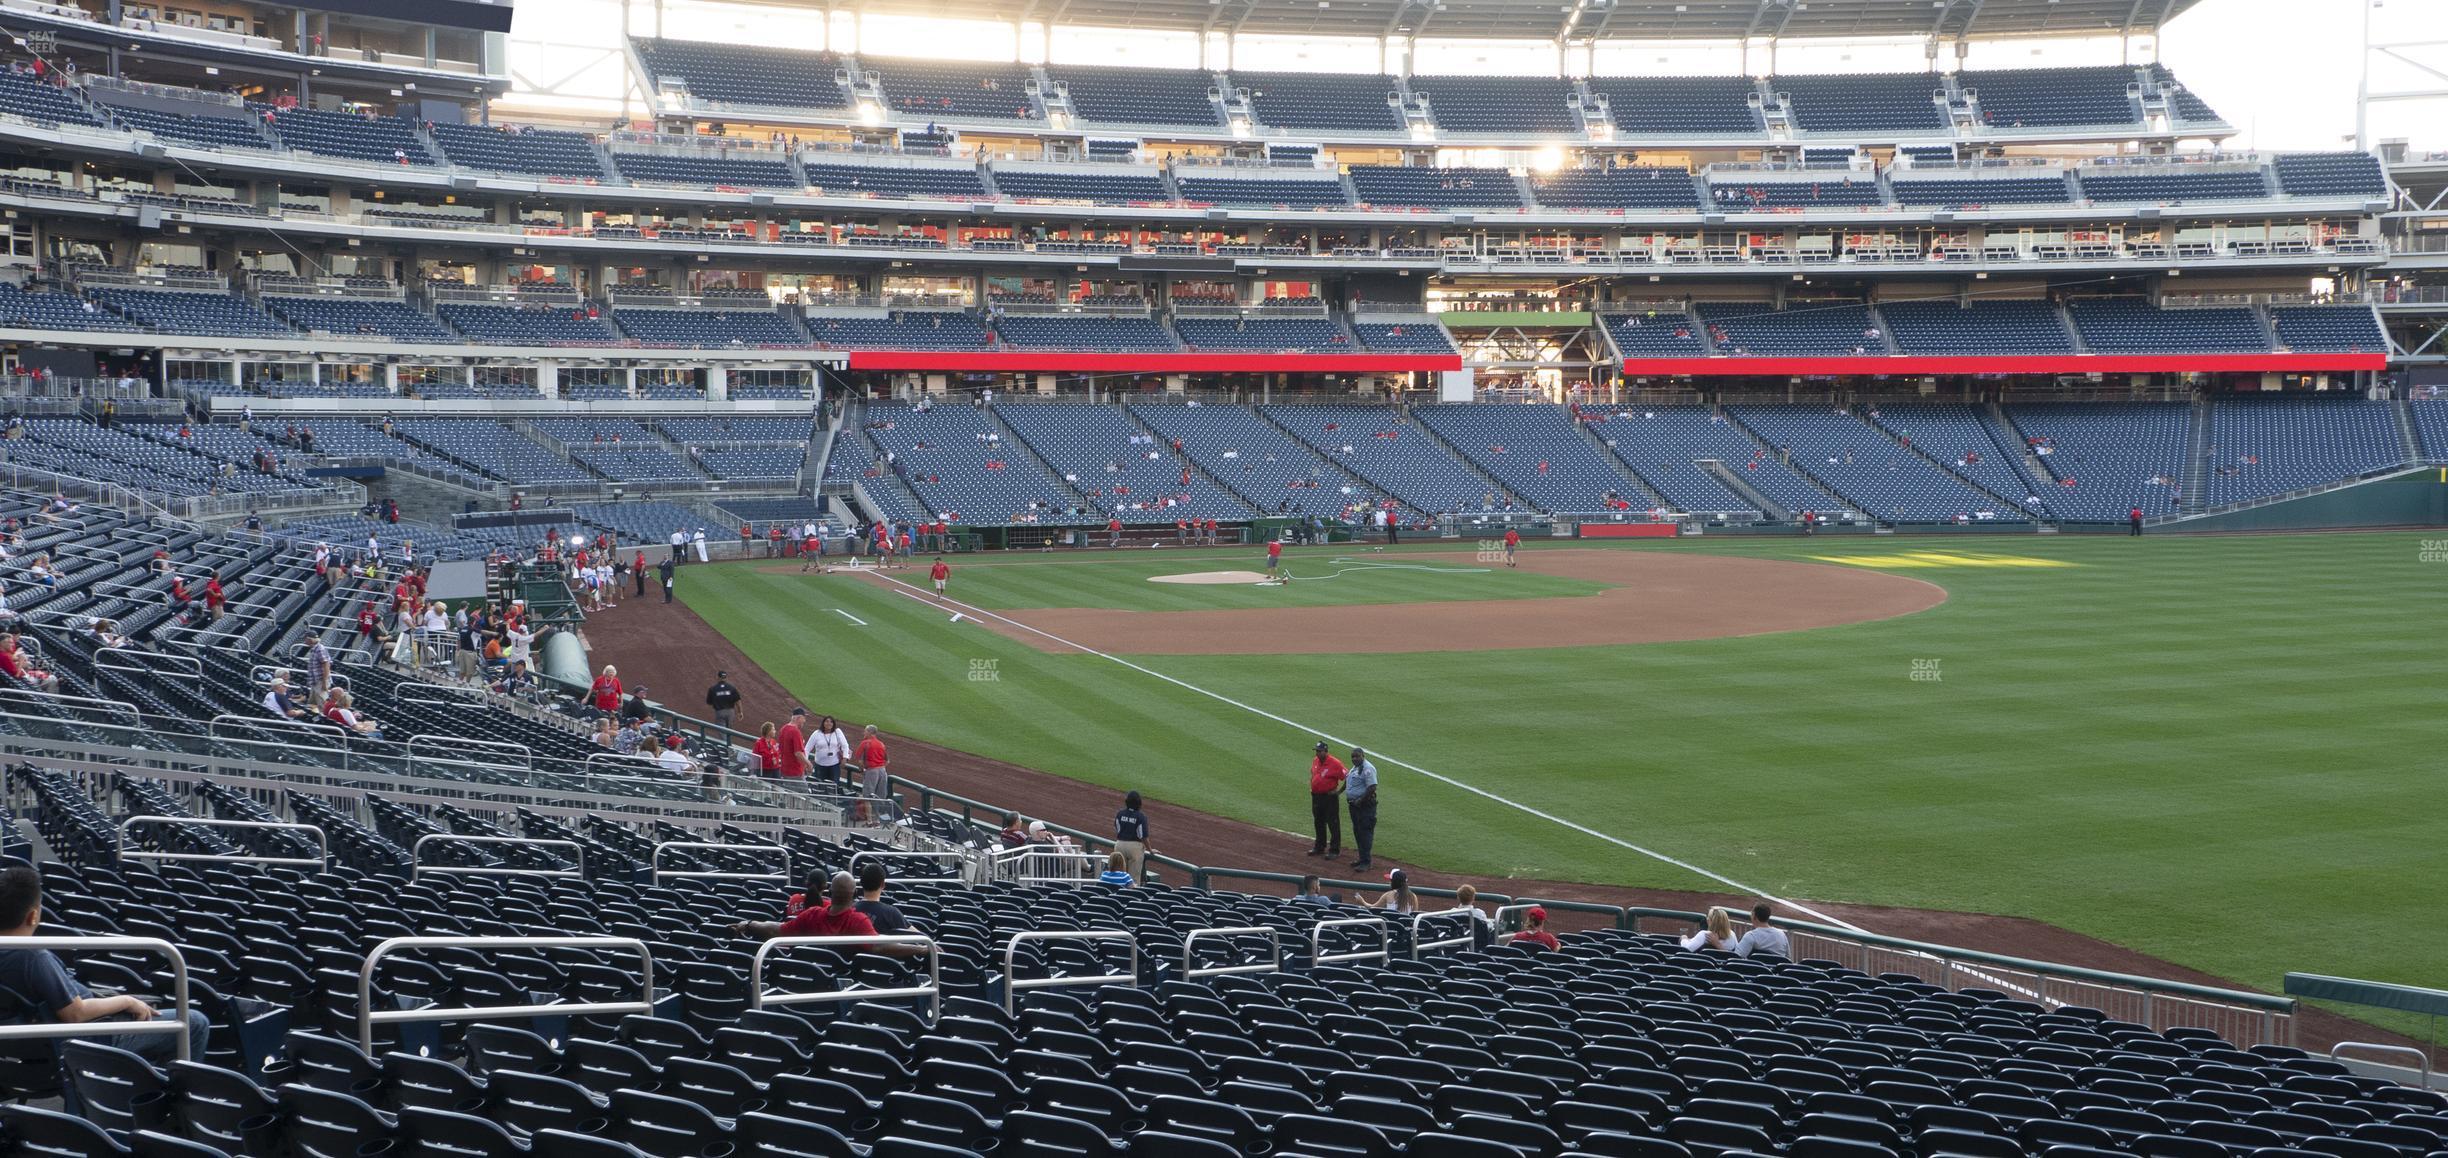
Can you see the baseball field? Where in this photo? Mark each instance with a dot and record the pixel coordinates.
(2222, 751)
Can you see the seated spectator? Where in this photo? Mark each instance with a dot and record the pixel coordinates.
(1312, 891)
(341, 709)
(40, 571)
(1399, 898)
(18, 666)
(837, 917)
(36, 987)
(276, 700)
(519, 682)
(627, 738)
(1466, 900)
(1718, 934)
(1534, 931)
(1117, 871)
(633, 711)
(1013, 835)
(1763, 937)
(672, 760)
(6, 615)
(605, 731)
(106, 634)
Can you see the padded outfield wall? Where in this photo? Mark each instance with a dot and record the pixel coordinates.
(2416, 498)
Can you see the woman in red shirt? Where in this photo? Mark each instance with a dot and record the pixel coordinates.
(768, 751)
(607, 692)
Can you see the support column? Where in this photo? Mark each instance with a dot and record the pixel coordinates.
(548, 379)
(390, 378)
(718, 383)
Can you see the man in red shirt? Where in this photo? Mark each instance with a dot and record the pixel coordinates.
(1274, 558)
(214, 601)
(837, 917)
(809, 551)
(1512, 542)
(1534, 930)
(2134, 520)
(1326, 802)
(874, 781)
(606, 694)
(1211, 535)
(941, 573)
(794, 745)
(1113, 531)
(773, 542)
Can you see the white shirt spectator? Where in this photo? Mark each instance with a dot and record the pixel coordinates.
(676, 761)
(1764, 939)
(828, 747)
(521, 644)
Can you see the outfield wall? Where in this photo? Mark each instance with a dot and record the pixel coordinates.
(2417, 498)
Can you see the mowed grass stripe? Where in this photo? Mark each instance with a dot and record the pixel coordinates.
(2216, 750)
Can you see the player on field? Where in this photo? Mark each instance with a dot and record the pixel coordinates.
(1512, 542)
(941, 573)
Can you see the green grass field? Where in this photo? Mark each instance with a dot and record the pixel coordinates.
(2222, 750)
(1022, 581)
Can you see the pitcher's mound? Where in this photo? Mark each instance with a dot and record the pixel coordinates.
(1211, 578)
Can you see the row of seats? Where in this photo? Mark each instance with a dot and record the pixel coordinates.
(1990, 327)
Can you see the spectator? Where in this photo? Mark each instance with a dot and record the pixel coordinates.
(1360, 791)
(1325, 811)
(341, 709)
(1013, 835)
(874, 780)
(1399, 898)
(1116, 872)
(606, 732)
(606, 694)
(722, 698)
(768, 752)
(106, 634)
(627, 738)
(793, 740)
(828, 748)
(1717, 934)
(318, 670)
(35, 986)
(839, 917)
(674, 761)
(1130, 836)
(1312, 891)
(276, 700)
(666, 570)
(1466, 900)
(634, 710)
(19, 667)
(1763, 937)
(1534, 931)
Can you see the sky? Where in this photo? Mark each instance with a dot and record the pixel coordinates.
(2284, 72)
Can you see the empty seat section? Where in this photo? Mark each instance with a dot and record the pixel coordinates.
(1429, 188)
(960, 464)
(1665, 446)
(946, 90)
(45, 310)
(899, 330)
(2269, 446)
(177, 312)
(2135, 326)
(1623, 187)
(1393, 452)
(831, 178)
(24, 96)
(693, 169)
(2331, 175)
(2431, 426)
(2049, 97)
(2351, 329)
(540, 152)
(1965, 441)
(1421, 337)
(1657, 334)
(1089, 183)
(704, 329)
(527, 325)
(1537, 452)
(1680, 105)
(1290, 335)
(1256, 460)
(1865, 102)
(365, 317)
(1889, 481)
(1122, 468)
(747, 75)
(1289, 193)
(216, 126)
(1976, 193)
(1139, 96)
(1500, 104)
(1732, 191)
(1082, 332)
(356, 136)
(492, 448)
(2101, 457)
(1807, 329)
(2173, 185)
(2185, 107)
(1986, 327)
(1317, 100)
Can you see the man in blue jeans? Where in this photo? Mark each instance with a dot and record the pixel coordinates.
(1360, 792)
(35, 987)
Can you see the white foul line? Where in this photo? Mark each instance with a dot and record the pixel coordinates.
(1473, 789)
(852, 618)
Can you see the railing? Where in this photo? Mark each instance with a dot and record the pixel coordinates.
(525, 755)
(1419, 923)
(1012, 985)
(758, 998)
(178, 996)
(1034, 864)
(368, 1017)
(1317, 937)
(1192, 972)
(416, 854)
(661, 874)
(948, 856)
(321, 859)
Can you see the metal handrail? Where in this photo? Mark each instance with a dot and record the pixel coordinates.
(953, 855)
(932, 990)
(1518, 906)
(321, 859)
(212, 730)
(67, 698)
(368, 1017)
(194, 668)
(468, 697)
(1011, 953)
(2422, 1058)
(1274, 938)
(420, 868)
(1421, 919)
(523, 751)
(1003, 858)
(178, 992)
(1382, 952)
(655, 862)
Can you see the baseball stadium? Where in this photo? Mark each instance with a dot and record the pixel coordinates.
(1223, 579)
